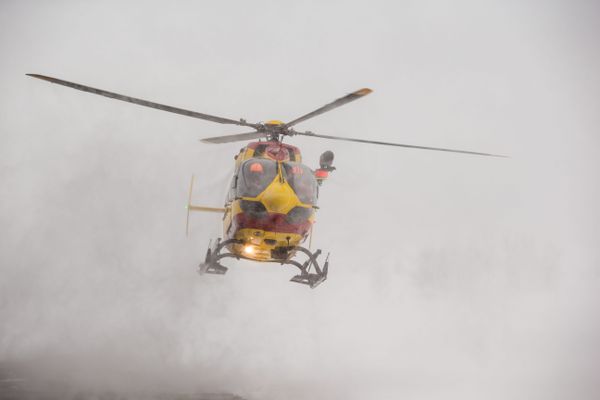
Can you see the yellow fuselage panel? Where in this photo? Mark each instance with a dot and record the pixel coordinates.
(279, 197)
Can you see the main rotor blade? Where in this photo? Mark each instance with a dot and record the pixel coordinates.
(234, 138)
(141, 102)
(334, 104)
(396, 144)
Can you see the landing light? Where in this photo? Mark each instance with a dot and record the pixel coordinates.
(249, 249)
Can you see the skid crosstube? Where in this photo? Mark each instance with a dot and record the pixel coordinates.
(311, 273)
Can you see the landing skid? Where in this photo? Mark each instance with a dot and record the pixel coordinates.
(311, 273)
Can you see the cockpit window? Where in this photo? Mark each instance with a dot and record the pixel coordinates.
(254, 177)
(302, 180)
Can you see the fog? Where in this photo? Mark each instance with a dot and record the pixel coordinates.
(451, 276)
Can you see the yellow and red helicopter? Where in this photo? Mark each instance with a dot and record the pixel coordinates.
(270, 208)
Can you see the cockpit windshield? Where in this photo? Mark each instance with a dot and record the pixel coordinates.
(302, 180)
(255, 176)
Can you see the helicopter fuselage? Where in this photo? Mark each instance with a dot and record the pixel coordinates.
(270, 207)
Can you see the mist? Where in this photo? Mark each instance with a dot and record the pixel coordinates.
(451, 276)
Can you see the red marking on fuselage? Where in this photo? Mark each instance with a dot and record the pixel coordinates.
(275, 150)
(271, 222)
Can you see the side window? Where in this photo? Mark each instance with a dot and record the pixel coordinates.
(232, 188)
(302, 180)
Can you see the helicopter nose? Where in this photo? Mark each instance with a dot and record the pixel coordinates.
(279, 198)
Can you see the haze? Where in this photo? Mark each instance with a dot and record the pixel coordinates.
(451, 276)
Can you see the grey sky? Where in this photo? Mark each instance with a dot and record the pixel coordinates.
(451, 276)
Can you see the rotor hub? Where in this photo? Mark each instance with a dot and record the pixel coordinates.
(274, 122)
(274, 129)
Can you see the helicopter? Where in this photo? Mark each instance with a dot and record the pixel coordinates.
(271, 202)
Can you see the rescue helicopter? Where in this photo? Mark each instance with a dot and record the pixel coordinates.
(270, 208)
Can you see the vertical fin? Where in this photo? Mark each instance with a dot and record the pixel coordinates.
(187, 221)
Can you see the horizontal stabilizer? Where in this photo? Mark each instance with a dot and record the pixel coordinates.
(206, 209)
